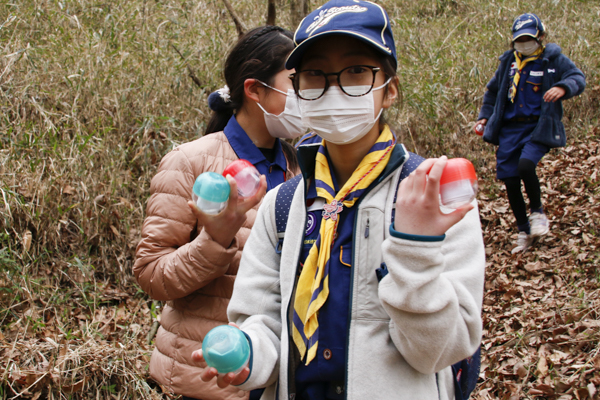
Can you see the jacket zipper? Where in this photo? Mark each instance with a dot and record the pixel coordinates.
(351, 294)
(290, 304)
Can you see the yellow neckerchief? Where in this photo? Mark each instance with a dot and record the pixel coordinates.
(313, 284)
(521, 63)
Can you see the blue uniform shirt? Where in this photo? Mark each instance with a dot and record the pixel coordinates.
(528, 101)
(330, 362)
(244, 148)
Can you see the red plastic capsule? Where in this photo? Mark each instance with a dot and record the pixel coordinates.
(458, 184)
(246, 176)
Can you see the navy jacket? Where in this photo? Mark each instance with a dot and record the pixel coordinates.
(559, 70)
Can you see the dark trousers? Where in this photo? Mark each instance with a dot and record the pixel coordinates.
(516, 200)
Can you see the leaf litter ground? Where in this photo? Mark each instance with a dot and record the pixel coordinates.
(540, 312)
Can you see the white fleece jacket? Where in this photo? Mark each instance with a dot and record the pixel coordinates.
(405, 331)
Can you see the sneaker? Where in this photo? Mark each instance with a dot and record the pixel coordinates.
(524, 241)
(539, 224)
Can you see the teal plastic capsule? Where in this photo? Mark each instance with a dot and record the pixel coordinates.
(210, 192)
(226, 349)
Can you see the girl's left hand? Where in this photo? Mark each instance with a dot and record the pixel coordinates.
(224, 226)
(223, 380)
(554, 94)
(418, 202)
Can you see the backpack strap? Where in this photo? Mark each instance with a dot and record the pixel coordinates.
(466, 374)
(283, 201)
(414, 160)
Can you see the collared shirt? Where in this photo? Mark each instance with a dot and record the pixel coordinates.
(329, 365)
(528, 101)
(243, 146)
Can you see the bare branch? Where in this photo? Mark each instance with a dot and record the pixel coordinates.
(190, 71)
(239, 24)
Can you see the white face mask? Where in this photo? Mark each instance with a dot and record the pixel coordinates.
(527, 48)
(288, 124)
(337, 117)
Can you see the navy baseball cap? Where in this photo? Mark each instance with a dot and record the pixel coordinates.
(363, 20)
(527, 25)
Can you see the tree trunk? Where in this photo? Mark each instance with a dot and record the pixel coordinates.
(271, 13)
(299, 10)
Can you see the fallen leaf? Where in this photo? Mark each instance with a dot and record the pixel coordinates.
(542, 366)
(27, 237)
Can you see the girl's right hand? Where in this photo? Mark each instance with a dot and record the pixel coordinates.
(482, 121)
(224, 226)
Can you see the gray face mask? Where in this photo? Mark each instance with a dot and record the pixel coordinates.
(527, 48)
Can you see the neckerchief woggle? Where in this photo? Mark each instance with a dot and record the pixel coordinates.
(521, 63)
(313, 284)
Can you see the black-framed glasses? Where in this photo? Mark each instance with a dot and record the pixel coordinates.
(355, 81)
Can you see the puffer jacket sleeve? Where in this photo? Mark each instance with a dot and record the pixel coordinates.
(433, 294)
(571, 79)
(169, 263)
(256, 301)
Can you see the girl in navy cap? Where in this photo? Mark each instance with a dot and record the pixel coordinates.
(374, 291)
(522, 112)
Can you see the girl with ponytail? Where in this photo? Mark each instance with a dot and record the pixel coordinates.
(189, 259)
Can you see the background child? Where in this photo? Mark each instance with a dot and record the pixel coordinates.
(190, 259)
(357, 306)
(522, 112)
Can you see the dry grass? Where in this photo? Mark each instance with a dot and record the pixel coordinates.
(93, 94)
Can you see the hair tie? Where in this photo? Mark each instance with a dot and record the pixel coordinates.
(220, 100)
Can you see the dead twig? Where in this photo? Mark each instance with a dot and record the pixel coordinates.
(239, 24)
(191, 73)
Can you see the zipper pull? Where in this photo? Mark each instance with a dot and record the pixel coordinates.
(367, 229)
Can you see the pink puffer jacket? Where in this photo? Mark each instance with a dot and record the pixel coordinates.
(178, 262)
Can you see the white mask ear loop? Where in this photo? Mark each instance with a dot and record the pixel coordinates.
(382, 86)
(271, 87)
(263, 110)
(378, 88)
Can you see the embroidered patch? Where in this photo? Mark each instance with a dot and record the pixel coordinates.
(513, 65)
(536, 88)
(328, 14)
(551, 71)
(536, 73)
(310, 223)
(520, 24)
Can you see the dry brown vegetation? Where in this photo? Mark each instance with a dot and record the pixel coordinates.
(93, 94)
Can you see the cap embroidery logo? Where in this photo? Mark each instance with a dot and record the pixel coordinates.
(520, 24)
(327, 15)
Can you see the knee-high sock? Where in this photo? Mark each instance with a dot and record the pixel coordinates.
(517, 202)
(532, 183)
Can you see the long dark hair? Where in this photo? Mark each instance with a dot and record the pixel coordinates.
(388, 65)
(259, 54)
